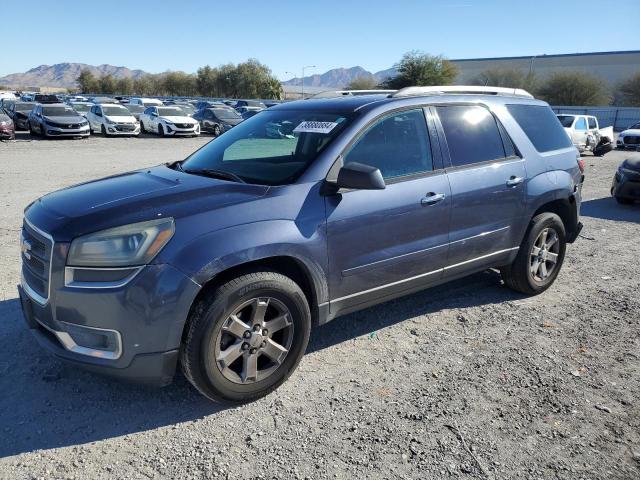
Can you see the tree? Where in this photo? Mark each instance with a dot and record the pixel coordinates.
(629, 91)
(272, 89)
(363, 82)
(124, 86)
(421, 69)
(505, 77)
(87, 82)
(107, 84)
(573, 88)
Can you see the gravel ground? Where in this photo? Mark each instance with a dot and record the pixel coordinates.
(467, 380)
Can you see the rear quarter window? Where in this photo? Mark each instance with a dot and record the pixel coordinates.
(541, 125)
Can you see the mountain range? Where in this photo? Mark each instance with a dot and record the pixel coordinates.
(341, 77)
(64, 75)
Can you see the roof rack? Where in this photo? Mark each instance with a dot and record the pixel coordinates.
(461, 89)
(351, 93)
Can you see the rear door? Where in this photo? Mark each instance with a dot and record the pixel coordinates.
(487, 180)
(385, 242)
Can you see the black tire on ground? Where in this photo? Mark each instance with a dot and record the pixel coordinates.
(519, 276)
(216, 131)
(142, 129)
(624, 201)
(209, 316)
(30, 128)
(103, 131)
(160, 130)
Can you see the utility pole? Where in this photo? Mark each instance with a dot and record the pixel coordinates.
(302, 79)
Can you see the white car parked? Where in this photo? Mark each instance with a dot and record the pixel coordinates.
(111, 119)
(168, 121)
(630, 138)
(586, 134)
(145, 102)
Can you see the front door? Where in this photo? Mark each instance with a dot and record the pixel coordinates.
(384, 242)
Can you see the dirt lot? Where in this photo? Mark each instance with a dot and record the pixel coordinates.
(468, 380)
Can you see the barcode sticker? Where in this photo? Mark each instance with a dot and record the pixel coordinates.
(315, 127)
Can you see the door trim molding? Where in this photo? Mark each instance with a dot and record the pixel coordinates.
(422, 275)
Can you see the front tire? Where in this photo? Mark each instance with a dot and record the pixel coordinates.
(160, 130)
(540, 257)
(246, 337)
(103, 131)
(216, 131)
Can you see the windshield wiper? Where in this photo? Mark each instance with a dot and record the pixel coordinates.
(210, 172)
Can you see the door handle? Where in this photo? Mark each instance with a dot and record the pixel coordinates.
(432, 199)
(513, 181)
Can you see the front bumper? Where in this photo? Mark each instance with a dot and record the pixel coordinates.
(146, 316)
(631, 142)
(625, 186)
(173, 130)
(122, 130)
(64, 132)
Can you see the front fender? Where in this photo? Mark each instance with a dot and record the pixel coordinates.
(208, 255)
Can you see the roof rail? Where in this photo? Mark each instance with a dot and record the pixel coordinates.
(461, 89)
(351, 93)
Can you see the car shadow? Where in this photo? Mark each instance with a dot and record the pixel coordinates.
(46, 403)
(607, 208)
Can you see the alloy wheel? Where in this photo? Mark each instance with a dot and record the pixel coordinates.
(544, 254)
(254, 340)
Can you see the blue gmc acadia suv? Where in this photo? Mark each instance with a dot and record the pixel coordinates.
(307, 211)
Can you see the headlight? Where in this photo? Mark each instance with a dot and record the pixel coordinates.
(168, 122)
(110, 122)
(627, 171)
(4, 124)
(126, 246)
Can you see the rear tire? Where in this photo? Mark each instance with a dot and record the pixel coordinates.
(217, 358)
(540, 257)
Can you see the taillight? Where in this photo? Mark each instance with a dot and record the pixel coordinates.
(581, 165)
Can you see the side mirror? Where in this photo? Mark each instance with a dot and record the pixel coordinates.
(360, 177)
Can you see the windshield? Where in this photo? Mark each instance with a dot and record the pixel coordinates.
(170, 112)
(635, 127)
(81, 107)
(135, 108)
(186, 108)
(23, 107)
(566, 120)
(272, 148)
(111, 110)
(59, 112)
(226, 113)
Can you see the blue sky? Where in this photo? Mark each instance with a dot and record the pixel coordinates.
(183, 35)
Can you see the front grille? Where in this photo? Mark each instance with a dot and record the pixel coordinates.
(631, 140)
(70, 126)
(36, 261)
(125, 127)
(184, 125)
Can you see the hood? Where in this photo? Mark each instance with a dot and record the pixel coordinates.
(133, 197)
(632, 163)
(64, 119)
(179, 119)
(121, 118)
(631, 131)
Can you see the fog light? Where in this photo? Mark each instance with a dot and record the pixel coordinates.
(95, 342)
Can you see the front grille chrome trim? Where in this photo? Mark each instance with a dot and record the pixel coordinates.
(35, 296)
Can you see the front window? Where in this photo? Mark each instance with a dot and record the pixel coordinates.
(59, 112)
(226, 113)
(115, 111)
(135, 108)
(23, 107)
(566, 120)
(79, 107)
(170, 112)
(273, 148)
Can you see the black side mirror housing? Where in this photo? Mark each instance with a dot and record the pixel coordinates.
(359, 176)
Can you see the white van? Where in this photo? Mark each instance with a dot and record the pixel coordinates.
(145, 102)
(8, 96)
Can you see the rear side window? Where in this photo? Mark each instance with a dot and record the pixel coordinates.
(472, 134)
(592, 123)
(541, 126)
(397, 145)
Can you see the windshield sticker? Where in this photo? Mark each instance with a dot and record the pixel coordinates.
(315, 127)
